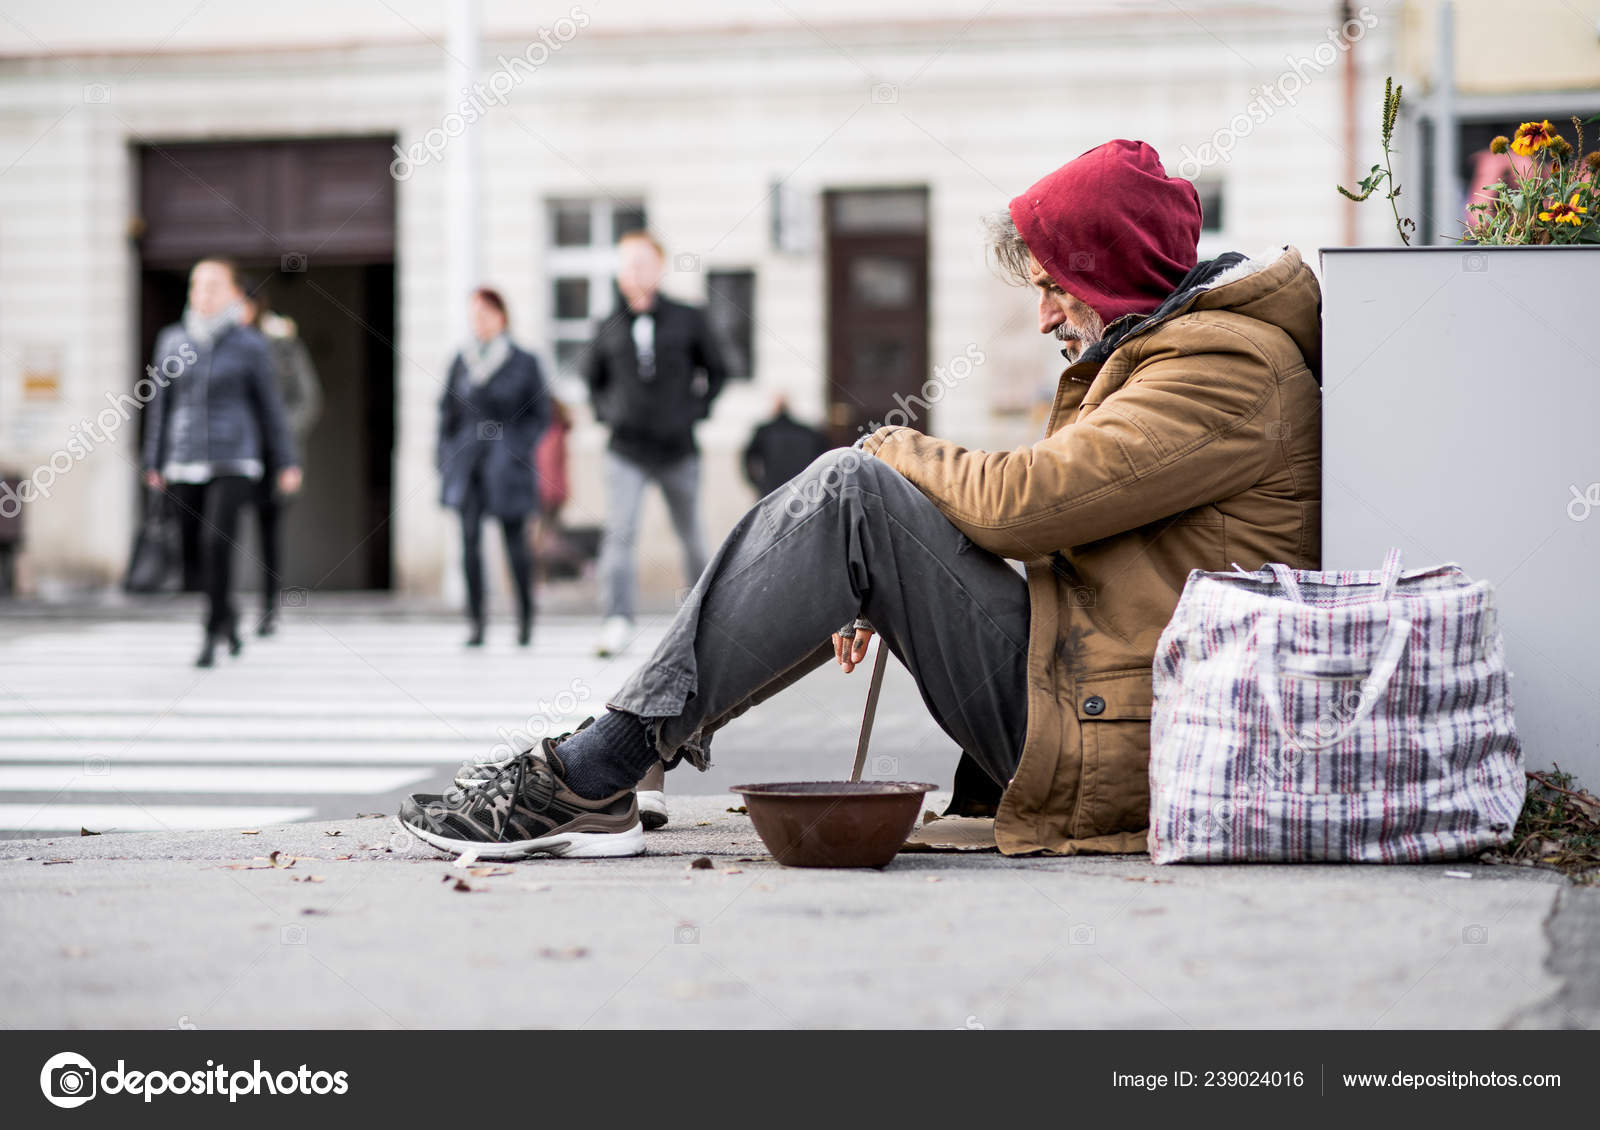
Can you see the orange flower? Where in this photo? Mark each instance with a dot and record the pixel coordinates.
(1532, 137)
(1568, 213)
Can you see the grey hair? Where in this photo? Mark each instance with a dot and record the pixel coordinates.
(1009, 250)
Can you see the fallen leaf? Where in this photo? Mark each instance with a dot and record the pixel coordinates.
(461, 885)
(310, 910)
(48, 862)
(701, 863)
(935, 879)
(334, 832)
(929, 816)
(569, 953)
(702, 824)
(86, 832)
(488, 872)
(341, 857)
(251, 832)
(307, 879)
(741, 809)
(733, 870)
(369, 816)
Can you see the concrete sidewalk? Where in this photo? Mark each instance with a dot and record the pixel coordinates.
(367, 930)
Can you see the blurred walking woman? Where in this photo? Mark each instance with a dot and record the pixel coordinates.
(213, 431)
(495, 406)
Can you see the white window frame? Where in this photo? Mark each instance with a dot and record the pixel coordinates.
(595, 261)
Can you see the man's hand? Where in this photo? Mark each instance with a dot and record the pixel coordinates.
(154, 479)
(850, 645)
(871, 443)
(289, 480)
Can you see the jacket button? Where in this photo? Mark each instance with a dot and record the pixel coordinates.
(1094, 704)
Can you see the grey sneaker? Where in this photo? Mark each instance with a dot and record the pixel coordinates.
(526, 810)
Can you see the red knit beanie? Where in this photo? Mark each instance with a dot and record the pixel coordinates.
(1112, 228)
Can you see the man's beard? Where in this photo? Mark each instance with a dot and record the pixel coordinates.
(1074, 340)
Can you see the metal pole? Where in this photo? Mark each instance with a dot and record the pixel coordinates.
(1445, 206)
(461, 203)
(1351, 135)
(462, 186)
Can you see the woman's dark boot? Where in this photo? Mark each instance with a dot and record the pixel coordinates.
(476, 638)
(525, 625)
(208, 652)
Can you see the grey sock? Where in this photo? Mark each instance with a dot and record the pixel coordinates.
(607, 756)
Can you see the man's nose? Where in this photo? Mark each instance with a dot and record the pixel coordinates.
(1050, 315)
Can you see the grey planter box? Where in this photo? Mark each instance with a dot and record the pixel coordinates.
(1461, 422)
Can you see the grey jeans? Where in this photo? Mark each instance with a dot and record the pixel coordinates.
(625, 482)
(849, 536)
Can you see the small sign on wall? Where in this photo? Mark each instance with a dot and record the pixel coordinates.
(41, 374)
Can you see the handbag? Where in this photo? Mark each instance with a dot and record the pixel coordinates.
(1362, 716)
(157, 546)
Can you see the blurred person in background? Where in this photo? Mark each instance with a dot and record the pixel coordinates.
(214, 431)
(780, 449)
(653, 371)
(555, 485)
(494, 408)
(301, 394)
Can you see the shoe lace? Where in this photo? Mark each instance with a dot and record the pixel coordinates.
(497, 769)
(528, 777)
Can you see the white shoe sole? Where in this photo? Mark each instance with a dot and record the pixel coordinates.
(652, 809)
(564, 845)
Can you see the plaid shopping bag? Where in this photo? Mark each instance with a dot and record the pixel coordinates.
(1357, 716)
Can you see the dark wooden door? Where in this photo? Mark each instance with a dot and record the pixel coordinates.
(294, 202)
(877, 242)
(310, 222)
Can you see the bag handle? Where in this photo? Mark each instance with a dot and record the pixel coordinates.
(1387, 579)
(1390, 577)
(1372, 687)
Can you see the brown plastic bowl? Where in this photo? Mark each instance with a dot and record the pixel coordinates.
(834, 823)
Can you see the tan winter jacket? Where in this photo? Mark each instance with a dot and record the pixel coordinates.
(1193, 442)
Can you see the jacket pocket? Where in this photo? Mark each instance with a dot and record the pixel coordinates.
(1113, 717)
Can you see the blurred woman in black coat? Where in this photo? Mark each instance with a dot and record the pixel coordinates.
(495, 406)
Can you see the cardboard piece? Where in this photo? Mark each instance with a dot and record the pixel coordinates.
(953, 833)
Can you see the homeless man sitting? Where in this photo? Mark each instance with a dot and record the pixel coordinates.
(1184, 435)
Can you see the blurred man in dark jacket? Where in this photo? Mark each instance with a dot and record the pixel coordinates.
(780, 449)
(653, 371)
(301, 393)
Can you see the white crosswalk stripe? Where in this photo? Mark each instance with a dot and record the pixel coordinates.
(106, 726)
(39, 820)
